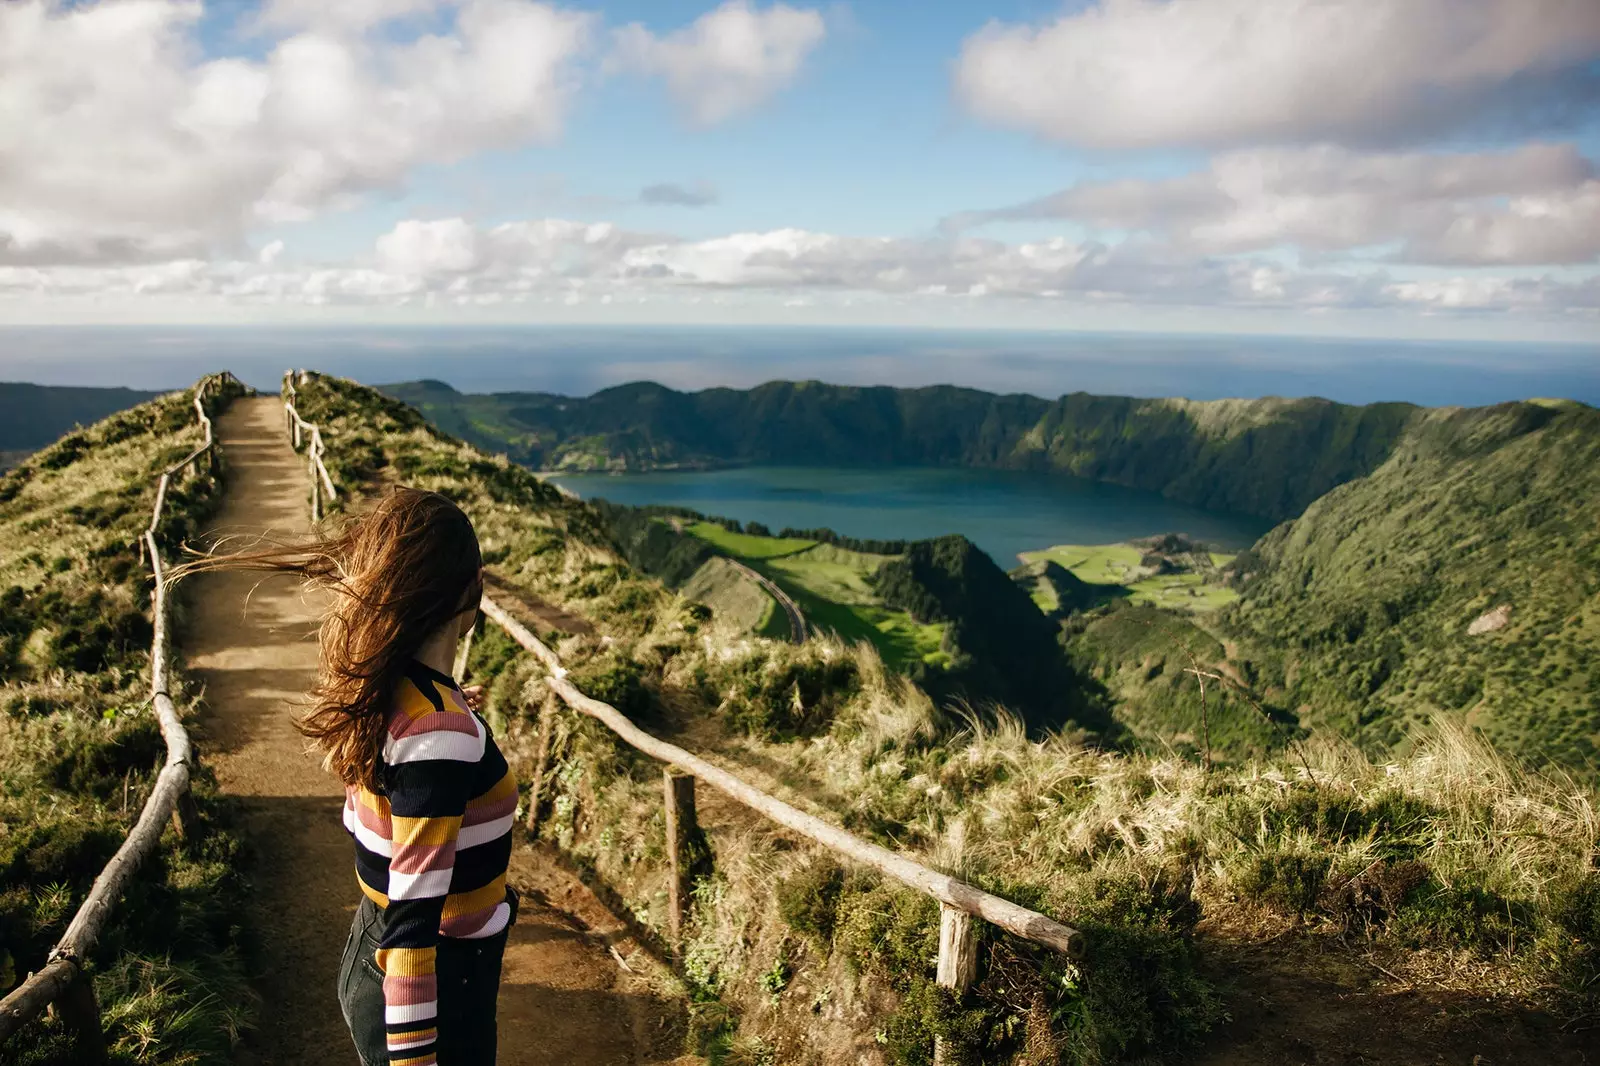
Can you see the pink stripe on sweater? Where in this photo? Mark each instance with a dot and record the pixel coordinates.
(410, 991)
(416, 858)
(489, 811)
(435, 722)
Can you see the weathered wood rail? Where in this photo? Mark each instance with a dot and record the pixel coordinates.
(64, 982)
(300, 429)
(959, 902)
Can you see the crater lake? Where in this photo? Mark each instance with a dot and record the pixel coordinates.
(1004, 512)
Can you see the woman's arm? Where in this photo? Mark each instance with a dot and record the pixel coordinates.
(429, 781)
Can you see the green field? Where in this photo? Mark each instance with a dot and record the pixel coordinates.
(833, 588)
(1118, 564)
(746, 546)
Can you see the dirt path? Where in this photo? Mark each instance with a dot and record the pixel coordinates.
(564, 999)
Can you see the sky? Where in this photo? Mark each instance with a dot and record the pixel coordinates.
(1425, 169)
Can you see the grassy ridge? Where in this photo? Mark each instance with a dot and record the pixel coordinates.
(1268, 457)
(1449, 864)
(79, 746)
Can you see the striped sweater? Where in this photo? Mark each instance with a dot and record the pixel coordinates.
(432, 850)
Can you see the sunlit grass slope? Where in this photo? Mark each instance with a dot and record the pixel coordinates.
(79, 745)
(1450, 864)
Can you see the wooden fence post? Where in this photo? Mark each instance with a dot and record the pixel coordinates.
(464, 652)
(682, 827)
(541, 755)
(316, 498)
(958, 962)
(80, 1013)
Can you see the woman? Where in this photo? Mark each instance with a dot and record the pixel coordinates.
(429, 800)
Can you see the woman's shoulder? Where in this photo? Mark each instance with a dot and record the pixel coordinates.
(430, 719)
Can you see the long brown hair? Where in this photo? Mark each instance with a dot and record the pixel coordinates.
(396, 574)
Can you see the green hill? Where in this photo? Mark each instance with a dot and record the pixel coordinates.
(1268, 457)
(1403, 526)
(1444, 877)
(32, 416)
(1366, 609)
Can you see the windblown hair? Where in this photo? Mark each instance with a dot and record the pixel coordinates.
(395, 575)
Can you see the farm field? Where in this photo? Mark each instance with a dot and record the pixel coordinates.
(1119, 564)
(833, 587)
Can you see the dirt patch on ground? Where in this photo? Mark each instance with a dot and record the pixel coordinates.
(564, 997)
(538, 615)
(1301, 999)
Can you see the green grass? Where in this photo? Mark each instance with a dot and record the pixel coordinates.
(1098, 564)
(1452, 848)
(744, 545)
(832, 587)
(79, 748)
(1181, 592)
(1118, 564)
(738, 603)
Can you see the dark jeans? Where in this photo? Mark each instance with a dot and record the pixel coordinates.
(469, 983)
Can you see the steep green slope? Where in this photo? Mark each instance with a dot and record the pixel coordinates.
(32, 416)
(1267, 457)
(1364, 607)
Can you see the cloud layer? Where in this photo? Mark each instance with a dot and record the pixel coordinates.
(120, 143)
(1216, 73)
(163, 154)
(1534, 205)
(450, 262)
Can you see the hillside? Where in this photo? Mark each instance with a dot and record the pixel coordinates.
(939, 611)
(1406, 524)
(1440, 906)
(32, 416)
(79, 744)
(1268, 457)
(1461, 576)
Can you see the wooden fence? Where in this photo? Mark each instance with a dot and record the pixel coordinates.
(64, 981)
(959, 902)
(300, 429)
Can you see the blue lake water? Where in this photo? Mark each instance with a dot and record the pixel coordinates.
(1004, 512)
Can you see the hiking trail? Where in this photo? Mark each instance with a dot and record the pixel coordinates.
(564, 997)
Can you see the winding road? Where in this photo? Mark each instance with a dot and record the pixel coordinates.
(797, 619)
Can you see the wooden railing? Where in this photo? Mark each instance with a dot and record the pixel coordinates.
(63, 981)
(300, 429)
(959, 902)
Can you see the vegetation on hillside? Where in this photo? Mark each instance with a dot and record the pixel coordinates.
(1448, 867)
(1267, 457)
(940, 611)
(79, 746)
(1361, 612)
(32, 416)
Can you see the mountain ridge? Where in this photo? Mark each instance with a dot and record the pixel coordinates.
(1267, 457)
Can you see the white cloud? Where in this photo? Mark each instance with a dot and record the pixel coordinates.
(728, 61)
(1536, 204)
(345, 15)
(558, 262)
(1132, 73)
(118, 142)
